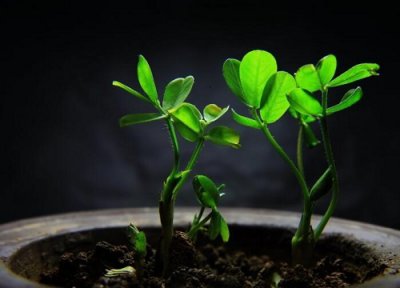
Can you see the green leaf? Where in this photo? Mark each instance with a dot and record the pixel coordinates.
(206, 191)
(230, 71)
(274, 102)
(304, 102)
(255, 69)
(146, 79)
(322, 186)
(349, 99)
(307, 78)
(245, 121)
(222, 135)
(224, 230)
(187, 121)
(355, 73)
(131, 119)
(177, 91)
(215, 225)
(213, 112)
(326, 68)
(309, 136)
(130, 90)
(138, 240)
(304, 118)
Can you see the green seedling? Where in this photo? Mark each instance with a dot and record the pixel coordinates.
(191, 124)
(269, 94)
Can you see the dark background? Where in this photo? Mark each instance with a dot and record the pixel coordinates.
(62, 149)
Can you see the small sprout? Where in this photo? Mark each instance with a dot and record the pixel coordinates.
(138, 240)
(122, 271)
(275, 279)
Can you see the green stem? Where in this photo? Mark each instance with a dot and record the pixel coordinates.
(331, 162)
(193, 230)
(299, 154)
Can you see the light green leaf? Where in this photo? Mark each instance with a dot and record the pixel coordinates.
(255, 69)
(222, 135)
(355, 73)
(224, 230)
(307, 78)
(326, 68)
(230, 71)
(274, 102)
(131, 119)
(187, 121)
(130, 90)
(146, 79)
(177, 91)
(206, 191)
(349, 99)
(304, 102)
(322, 186)
(245, 121)
(213, 112)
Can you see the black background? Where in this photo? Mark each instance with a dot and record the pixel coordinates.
(62, 149)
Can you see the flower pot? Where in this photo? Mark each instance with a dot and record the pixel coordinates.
(27, 246)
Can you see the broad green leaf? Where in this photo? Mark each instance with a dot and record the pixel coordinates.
(130, 90)
(274, 102)
(307, 78)
(177, 91)
(304, 102)
(255, 69)
(326, 68)
(131, 119)
(322, 186)
(230, 70)
(146, 80)
(355, 73)
(349, 99)
(224, 230)
(309, 137)
(215, 225)
(245, 121)
(187, 121)
(222, 135)
(206, 191)
(213, 112)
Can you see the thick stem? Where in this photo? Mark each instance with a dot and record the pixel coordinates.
(331, 162)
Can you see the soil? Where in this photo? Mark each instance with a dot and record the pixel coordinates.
(338, 262)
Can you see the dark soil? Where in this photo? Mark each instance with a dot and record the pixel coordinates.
(339, 262)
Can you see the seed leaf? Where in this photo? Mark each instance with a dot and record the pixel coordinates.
(349, 99)
(322, 186)
(213, 112)
(326, 68)
(223, 135)
(215, 225)
(255, 69)
(224, 230)
(131, 119)
(230, 71)
(187, 121)
(304, 102)
(146, 79)
(130, 90)
(274, 102)
(206, 191)
(245, 121)
(177, 91)
(355, 73)
(307, 78)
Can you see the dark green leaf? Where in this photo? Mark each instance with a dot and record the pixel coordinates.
(322, 186)
(222, 135)
(213, 112)
(255, 69)
(131, 119)
(224, 230)
(187, 121)
(177, 91)
(215, 225)
(274, 102)
(307, 78)
(146, 80)
(355, 73)
(230, 70)
(206, 191)
(130, 90)
(326, 68)
(349, 99)
(245, 121)
(304, 102)
(309, 137)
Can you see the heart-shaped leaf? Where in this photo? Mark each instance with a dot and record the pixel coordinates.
(131, 119)
(349, 99)
(255, 69)
(213, 112)
(187, 121)
(355, 73)
(274, 102)
(222, 135)
(177, 91)
(307, 78)
(326, 68)
(245, 121)
(146, 80)
(130, 90)
(304, 102)
(230, 71)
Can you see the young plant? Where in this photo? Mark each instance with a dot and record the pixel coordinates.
(268, 94)
(192, 125)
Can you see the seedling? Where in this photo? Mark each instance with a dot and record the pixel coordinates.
(190, 123)
(268, 94)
